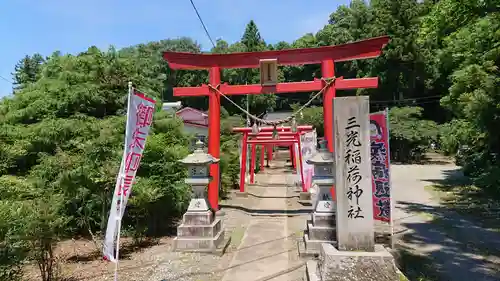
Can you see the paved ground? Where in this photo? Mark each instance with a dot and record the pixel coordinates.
(454, 243)
(268, 249)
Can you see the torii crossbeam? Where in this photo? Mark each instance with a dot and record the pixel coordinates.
(326, 56)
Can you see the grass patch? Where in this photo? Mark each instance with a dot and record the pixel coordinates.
(402, 277)
(469, 201)
(416, 267)
(426, 216)
(237, 235)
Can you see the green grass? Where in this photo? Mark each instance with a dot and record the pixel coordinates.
(469, 201)
(237, 235)
(416, 267)
(402, 277)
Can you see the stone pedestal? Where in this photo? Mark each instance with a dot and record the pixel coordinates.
(304, 195)
(322, 226)
(199, 232)
(320, 229)
(336, 265)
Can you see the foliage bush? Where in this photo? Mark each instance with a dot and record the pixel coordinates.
(230, 155)
(409, 135)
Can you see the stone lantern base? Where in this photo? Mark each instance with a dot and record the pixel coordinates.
(320, 229)
(200, 231)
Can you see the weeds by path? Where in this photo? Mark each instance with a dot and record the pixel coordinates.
(417, 267)
(469, 201)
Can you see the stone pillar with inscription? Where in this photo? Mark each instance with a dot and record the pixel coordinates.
(355, 257)
(321, 228)
(200, 230)
(355, 223)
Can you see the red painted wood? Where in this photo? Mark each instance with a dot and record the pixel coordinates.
(328, 71)
(280, 88)
(290, 137)
(262, 156)
(364, 49)
(243, 167)
(252, 163)
(276, 142)
(270, 134)
(271, 129)
(214, 139)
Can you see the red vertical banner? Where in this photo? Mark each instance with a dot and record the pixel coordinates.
(381, 183)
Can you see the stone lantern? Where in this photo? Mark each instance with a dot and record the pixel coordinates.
(322, 226)
(199, 231)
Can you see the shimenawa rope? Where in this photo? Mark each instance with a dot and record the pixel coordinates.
(329, 82)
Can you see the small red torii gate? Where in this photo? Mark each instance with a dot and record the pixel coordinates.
(326, 56)
(286, 137)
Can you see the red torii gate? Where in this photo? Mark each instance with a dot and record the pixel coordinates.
(326, 56)
(286, 137)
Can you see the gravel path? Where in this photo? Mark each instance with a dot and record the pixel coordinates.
(453, 243)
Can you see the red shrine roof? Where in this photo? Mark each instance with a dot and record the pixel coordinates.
(193, 116)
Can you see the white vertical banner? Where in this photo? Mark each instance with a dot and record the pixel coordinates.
(308, 146)
(140, 111)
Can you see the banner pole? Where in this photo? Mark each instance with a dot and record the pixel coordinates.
(119, 216)
(119, 225)
(391, 197)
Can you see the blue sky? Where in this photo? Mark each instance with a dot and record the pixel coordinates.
(30, 26)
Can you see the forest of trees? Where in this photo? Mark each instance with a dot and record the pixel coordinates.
(61, 131)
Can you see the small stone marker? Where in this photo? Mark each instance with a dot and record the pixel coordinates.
(355, 225)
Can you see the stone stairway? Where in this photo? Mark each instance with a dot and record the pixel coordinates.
(268, 246)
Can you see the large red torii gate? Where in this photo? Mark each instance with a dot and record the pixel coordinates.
(326, 56)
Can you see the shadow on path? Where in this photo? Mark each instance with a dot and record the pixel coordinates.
(459, 249)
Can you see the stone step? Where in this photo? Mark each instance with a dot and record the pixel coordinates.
(312, 271)
(323, 219)
(303, 253)
(314, 246)
(324, 233)
(210, 230)
(197, 244)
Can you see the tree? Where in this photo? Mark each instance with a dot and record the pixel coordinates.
(251, 38)
(472, 55)
(27, 71)
(410, 136)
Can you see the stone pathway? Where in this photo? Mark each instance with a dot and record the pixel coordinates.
(268, 247)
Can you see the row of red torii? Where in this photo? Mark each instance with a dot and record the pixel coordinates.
(214, 63)
(286, 136)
